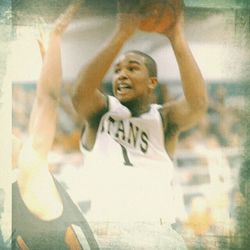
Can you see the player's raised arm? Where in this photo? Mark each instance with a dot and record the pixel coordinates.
(87, 98)
(44, 112)
(187, 111)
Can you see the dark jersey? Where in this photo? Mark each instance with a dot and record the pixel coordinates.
(69, 231)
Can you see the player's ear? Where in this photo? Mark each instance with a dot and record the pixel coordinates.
(152, 82)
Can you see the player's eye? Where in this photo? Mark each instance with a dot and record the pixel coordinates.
(117, 70)
(132, 69)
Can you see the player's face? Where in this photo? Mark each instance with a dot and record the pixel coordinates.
(131, 78)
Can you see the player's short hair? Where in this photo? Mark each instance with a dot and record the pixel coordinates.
(149, 62)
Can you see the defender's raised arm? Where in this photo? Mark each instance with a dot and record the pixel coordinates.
(44, 112)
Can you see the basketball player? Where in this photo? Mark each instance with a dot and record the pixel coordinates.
(43, 214)
(129, 143)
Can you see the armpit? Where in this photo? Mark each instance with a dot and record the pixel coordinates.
(170, 127)
(95, 118)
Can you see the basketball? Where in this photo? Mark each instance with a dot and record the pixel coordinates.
(157, 16)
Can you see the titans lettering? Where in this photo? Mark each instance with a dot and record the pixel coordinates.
(131, 134)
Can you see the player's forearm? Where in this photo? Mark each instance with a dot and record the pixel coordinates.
(192, 80)
(51, 75)
(49, 84)
(92, 74)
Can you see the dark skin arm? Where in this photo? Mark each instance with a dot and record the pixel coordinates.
(88, 101)
(185, 112)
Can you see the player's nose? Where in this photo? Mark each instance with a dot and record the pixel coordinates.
(122, 75)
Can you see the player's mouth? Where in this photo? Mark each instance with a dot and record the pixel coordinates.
(123, 88)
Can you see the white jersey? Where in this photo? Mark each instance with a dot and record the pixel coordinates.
(128, 174)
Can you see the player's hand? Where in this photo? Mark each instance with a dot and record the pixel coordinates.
(128, 17)
(64, 19)
(176, 29)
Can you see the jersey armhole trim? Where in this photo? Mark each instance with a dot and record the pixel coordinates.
(83, 147)
(163, 132)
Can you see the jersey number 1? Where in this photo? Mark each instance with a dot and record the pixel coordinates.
(127, 162)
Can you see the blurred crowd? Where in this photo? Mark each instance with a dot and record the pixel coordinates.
(220, 128)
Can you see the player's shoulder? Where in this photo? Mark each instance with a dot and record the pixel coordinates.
(113, 102)
(117, 109)
(156, 107)
(31, 164)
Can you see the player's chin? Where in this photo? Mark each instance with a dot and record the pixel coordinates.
(124, 98)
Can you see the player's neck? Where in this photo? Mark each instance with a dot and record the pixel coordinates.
(138, 106)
